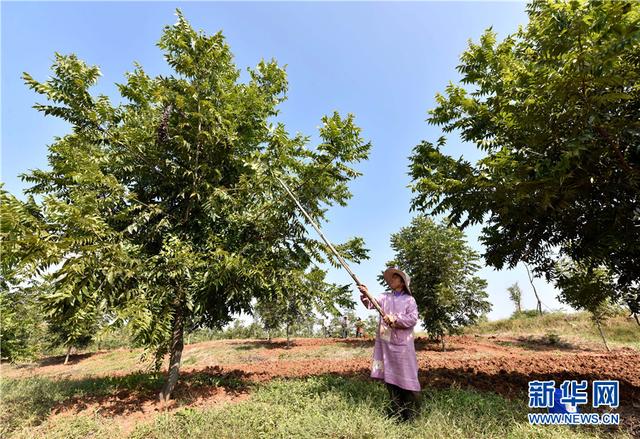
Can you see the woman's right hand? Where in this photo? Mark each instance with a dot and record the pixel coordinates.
(363, 291)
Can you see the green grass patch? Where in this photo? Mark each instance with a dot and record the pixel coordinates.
(333, 352)
(86, 364)
(206, 379)
(336, 407)
(620, 331)
(28, 401)
(72, 427)
(315, 407)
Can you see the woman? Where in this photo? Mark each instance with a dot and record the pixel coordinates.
(394, 355)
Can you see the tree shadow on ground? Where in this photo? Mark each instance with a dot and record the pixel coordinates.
(356, 342)
(261, 344)
(55, 360)
(425, 344)
(124, 398)
(512, 385)
(295, 343)
(542, 344)
(112, 396)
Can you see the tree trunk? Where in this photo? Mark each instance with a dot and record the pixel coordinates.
(288, 337)
(635, 316)
(177, 345)
(602, 335)
(66, 359)
(539, 306)
(442, 340)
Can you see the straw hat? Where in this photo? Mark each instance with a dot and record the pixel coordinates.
(389, 272)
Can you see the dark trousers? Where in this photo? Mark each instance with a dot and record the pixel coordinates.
(405, 404)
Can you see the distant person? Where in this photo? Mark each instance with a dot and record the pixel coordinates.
(394, 354)
(325, 330)
(359, 328)
(344, 322)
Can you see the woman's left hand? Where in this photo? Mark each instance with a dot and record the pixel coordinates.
(390, 319)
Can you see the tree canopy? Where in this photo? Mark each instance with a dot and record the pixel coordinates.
(443, 269)
(555, 108)
(515, 294)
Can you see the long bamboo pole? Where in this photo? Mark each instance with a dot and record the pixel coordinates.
(335, 252)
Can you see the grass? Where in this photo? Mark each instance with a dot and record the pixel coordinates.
(72, 427)
(27, 402)
(116, 361)
(87, 364)
(242, 352)
(329, 351)
(620, 331)
(316, 407)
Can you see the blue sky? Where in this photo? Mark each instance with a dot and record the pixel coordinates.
(384, 62)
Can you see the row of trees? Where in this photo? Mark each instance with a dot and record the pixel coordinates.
(28, 332)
